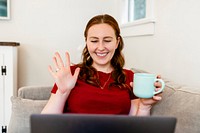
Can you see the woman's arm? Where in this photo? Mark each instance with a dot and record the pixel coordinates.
(56, 103)
(138, 109)
(65, 82)
(134, 107)
(142, 107)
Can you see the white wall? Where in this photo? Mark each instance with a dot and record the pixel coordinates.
(174, 50)
(45, 26)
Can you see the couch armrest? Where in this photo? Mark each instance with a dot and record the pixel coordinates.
(35, 92)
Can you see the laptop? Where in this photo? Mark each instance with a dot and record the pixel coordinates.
(84, 123)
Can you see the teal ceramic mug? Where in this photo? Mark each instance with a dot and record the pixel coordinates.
(143, 85)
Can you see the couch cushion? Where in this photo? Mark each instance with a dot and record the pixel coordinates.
(21, 111)
(184, 104)
(35, 92)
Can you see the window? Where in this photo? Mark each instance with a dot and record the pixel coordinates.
(4, 9)
(136, 10)
(137, 17)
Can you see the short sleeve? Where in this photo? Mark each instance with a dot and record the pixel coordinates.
(54, 89)
(130, 75)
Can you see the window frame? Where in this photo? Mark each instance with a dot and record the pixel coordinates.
(7, 17)
(140, 27)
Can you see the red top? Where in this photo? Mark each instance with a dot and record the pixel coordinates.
(86, 98)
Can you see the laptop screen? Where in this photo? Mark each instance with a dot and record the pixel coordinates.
(84, 123)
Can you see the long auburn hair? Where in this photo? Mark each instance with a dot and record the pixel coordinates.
(89, 73)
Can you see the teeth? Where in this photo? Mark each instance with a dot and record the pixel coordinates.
(99, 54)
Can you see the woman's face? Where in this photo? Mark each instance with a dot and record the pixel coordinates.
(101, 43)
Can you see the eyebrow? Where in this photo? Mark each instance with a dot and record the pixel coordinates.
(107, 37)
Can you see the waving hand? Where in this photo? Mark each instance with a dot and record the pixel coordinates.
(62, 73)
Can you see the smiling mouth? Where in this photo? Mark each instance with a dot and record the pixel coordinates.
(101, 54)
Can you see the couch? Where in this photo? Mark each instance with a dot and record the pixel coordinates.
(178, 101)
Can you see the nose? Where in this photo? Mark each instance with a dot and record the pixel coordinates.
(101, 45)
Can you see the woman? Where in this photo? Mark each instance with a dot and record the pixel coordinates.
(99, 84)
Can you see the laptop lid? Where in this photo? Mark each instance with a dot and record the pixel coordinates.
(82, 123)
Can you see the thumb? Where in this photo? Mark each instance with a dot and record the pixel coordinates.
(76, 73)
(131, 84)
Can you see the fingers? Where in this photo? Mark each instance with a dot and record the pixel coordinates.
(157, 84)
(159, 76)
(157, 97)
(76, 73)
(55, 63)
(131, 84)
(67, 60)
(157, 89)
(51, 71)
(151, 101)
(58, 61)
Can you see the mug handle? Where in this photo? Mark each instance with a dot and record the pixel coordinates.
(162, 88)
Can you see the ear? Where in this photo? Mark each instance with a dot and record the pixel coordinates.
(118, 41)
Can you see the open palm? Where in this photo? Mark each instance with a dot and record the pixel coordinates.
(63, 76)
